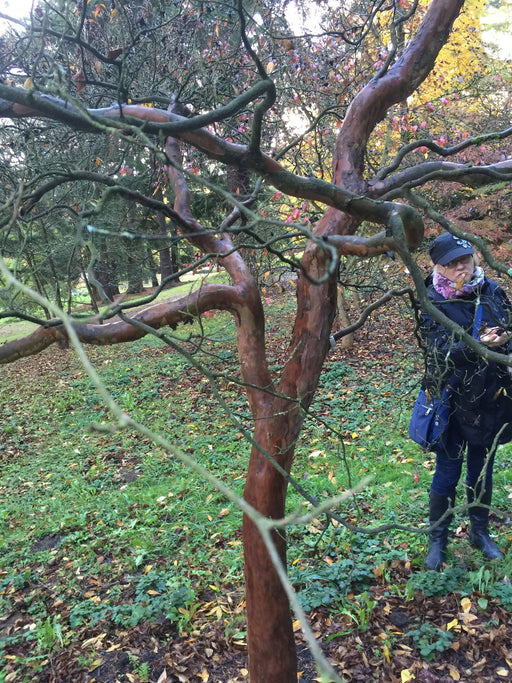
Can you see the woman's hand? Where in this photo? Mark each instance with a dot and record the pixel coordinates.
(494, 336)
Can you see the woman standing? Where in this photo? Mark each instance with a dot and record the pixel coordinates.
(481, 402)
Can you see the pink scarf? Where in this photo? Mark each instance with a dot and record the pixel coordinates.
(450, 289)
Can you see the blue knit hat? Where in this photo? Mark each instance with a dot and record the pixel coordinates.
(448, 247)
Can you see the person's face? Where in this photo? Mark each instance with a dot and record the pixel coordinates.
(458, 270)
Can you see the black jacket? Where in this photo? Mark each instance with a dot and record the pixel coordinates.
(482, 396)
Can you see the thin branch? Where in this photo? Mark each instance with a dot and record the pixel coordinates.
(438, 149)
(372, 307)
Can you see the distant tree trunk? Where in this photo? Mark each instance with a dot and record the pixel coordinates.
(105, 278)
(343, 319)
(91, 290)
(38, 284)
(239, 185)
(169, 264)
(166, 266)
(53, 269)
(239, 182)
(135, 268)
(152, 267)
(105, 271)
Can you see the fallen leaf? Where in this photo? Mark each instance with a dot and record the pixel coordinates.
(93, 641)
(465, 604)
(315, 454)
(452, 624)
(95, 665)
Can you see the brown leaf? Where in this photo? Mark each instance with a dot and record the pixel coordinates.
(113, 54)
(79, 79)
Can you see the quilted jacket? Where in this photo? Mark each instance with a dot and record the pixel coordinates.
(482, 395)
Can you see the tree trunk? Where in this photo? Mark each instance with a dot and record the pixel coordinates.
(341, 314)
(166, 269)
(91, 291)
(38, 284)
(51, 263)
(152, 267)
(169, 261)
(105, 271)
(105, 275)
(268, 612)
(135, 270)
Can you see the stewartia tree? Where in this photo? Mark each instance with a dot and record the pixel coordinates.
(190, 89)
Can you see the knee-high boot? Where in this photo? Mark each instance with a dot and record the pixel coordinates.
(479, 519)
(440, 519)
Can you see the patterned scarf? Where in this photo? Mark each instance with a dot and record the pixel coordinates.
(449, 289)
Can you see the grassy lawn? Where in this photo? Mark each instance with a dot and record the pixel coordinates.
(109, 540)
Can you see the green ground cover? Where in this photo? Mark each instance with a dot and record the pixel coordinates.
(102, 532)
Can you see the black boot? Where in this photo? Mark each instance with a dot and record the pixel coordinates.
(479, 518)
(438, 536)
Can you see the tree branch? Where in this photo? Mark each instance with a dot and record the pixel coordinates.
(471, 176)
(438, 149)
(155, 120)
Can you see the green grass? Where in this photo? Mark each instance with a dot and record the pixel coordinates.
(92, 520)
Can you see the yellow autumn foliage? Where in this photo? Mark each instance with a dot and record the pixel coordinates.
(459, 60)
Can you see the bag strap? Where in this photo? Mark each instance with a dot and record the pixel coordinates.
(478, 319)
